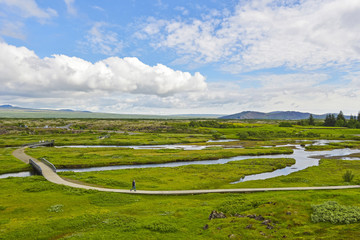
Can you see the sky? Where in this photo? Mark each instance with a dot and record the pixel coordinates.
(181, 57)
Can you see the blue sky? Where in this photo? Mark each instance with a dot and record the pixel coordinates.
(176, 57)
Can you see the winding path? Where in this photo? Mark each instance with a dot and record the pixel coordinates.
(52, 176)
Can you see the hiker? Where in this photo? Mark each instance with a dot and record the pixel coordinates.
(133, 186)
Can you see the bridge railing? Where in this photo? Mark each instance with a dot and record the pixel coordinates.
(41, 143)
(49, 164)
(35, 166)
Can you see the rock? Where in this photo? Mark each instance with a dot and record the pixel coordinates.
(239, 215)
(284, 236)
(269, 227)
(206, 227)
(288, 213)
(232, 236)
(266, 222)
(215, 214)
(248, 226)
(259, 218)
(218, 228)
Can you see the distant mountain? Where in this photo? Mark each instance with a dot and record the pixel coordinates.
(9, 107)
(9, 111)
(277, 115)
(198, 115)
(70, 110)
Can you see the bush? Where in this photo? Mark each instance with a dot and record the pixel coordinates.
(348, 176)
(335, 213)
(285, 124)
(238, 205)
(161, 227)
(56, 208)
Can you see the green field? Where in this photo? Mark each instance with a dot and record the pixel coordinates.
(184, 177)
(33, 208)
(328, 173)
(91, 157)
(10, 164)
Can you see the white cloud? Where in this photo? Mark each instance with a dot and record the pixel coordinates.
(29, 8)
(183, 10)
(70, 7)
(98, 8)
(12, 29)
(102, 41)
(130, 86)
(266, 34)
(23, 73)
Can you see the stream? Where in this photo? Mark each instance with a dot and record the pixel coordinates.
(304, 159)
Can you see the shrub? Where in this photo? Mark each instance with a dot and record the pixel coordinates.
(285, 124)
(238, 205)
(348, 176)
(161, 227)
(242, 135)
(56, 208)
(335, 213)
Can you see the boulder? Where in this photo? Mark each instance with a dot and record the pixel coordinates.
(215, 214)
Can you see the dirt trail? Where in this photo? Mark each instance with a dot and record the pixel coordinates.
(52, 176)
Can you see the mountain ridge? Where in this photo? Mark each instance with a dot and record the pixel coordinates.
(275, 115)
(9, 111)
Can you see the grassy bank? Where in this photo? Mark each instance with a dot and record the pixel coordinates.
(102, 138)
(90, 157)
(9, 163)
(333, 145)
(180, 178)
(329, 173)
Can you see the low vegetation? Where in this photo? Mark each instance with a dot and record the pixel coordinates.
(91, 157)
(184, 177)
(84, 214)
(333, 145)
(9, 163)
(33, 208)
(348, 176)
(335, 213)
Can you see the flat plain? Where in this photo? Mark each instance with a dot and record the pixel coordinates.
(32, 208)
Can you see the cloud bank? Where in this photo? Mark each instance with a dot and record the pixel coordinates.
(264, 34)
(22, 72)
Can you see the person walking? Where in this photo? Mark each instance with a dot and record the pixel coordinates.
(133, 186)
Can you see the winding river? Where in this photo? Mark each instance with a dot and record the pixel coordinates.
(304, 159)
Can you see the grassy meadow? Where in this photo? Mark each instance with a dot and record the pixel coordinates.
(329, 173)
(92, 157)
(10, 164)
(181, 178)
(33, 208)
